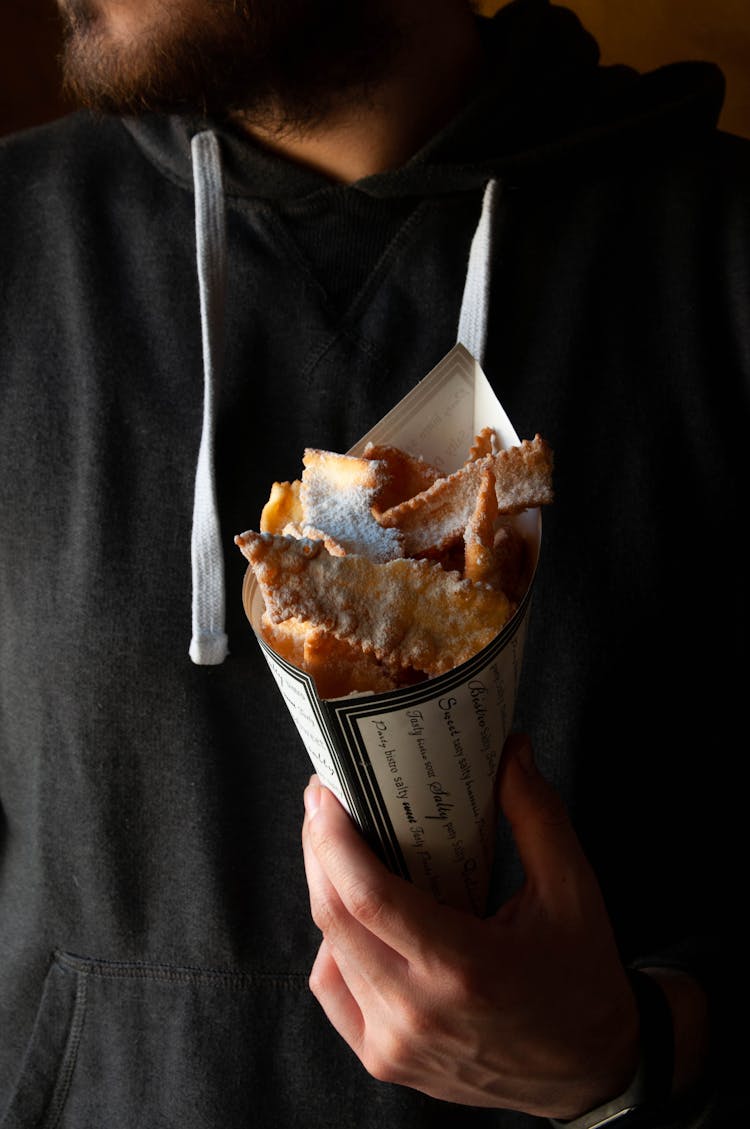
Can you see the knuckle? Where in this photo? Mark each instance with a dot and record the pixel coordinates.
(394, 1048)
(464, 983)
(376, 1066)
(326, 915)
(316, 982)
(407, 1021)
(455, 976)
(368, 904)
(384, 1059)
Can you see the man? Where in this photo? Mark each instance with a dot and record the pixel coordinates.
(155, 936)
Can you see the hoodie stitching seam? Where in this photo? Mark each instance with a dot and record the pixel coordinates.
(99, 969)
(347, 330)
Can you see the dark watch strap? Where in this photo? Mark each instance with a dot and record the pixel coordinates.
(652, 1084)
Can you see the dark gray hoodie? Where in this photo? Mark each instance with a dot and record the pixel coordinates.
(155, 940)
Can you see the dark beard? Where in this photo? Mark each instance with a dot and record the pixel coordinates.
(281, 63)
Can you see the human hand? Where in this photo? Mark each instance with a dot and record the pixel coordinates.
(530, 1009)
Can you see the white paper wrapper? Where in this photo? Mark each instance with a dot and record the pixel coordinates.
(416, 767)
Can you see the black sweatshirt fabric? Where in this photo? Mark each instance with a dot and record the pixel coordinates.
(155, 939)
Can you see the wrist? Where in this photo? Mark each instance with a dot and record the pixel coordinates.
(689, 1006)
(650, 1084)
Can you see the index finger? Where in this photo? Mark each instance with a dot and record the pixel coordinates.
(402, 916)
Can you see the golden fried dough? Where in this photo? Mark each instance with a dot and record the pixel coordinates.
(405, 612)
(283, 507)
(479, 534)
(340, 668)
(287, 638)
(485, 443)
(407, 475)
(337, 497)
(433, 520)
(380, 571)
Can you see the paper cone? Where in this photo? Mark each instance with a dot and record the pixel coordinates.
(416, 767)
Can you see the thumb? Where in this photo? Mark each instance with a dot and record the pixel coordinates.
(548, 847)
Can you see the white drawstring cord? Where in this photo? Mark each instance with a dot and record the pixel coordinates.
(472, 321)
(208, 645)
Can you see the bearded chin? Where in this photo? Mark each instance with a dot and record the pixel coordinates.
(287, 63)
(150, 74)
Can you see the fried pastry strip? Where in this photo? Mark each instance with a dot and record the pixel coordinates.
(433, 520)
(407, 613)
(407, 475)
(340, 668)
(287, 638)
(485, 443)
(337, 497)
(479, 534)
(282, 508)
(512, 561)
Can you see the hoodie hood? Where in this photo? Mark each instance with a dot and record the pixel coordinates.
(543, 104)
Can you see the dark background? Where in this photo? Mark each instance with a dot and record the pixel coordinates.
(29, 77)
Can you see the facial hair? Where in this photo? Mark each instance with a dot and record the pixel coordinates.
(284, 64)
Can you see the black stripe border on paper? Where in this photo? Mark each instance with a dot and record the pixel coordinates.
(359, 788)
(345, 713)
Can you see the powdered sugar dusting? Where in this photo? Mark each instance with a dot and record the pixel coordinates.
(338, 510)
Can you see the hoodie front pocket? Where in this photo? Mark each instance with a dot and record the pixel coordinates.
(132, 1045)
(124, 1044)
(51, 1055)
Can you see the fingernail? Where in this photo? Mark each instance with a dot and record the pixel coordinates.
(312, 796)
